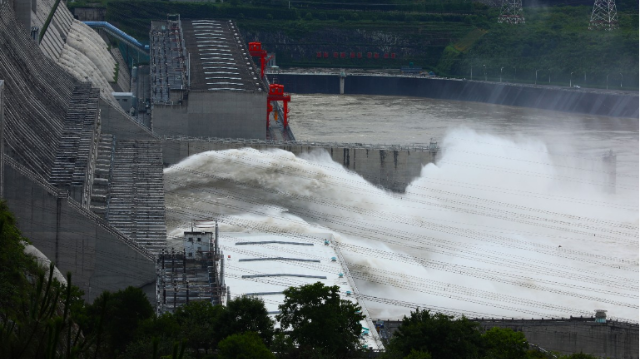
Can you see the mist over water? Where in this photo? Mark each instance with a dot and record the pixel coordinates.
(505, 224)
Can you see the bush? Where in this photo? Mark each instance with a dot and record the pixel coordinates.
(244, 346)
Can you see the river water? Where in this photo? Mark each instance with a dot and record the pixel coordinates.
(517, 218)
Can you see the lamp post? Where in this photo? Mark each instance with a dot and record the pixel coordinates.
(485, 73)
(570, 78)
(501, 73)
(620, 80)
(549, 76)
(515, 73)
(471, 72)
(536, 82)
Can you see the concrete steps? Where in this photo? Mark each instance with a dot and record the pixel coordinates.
(136, 193)
(102, 175)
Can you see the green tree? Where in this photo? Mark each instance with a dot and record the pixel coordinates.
(440, 335)
(199, 323)
(248, 345)
(415, 354)
(320, 323)
(14, 264)
(35, 319)
(246, 314)
(500, 343)
(578, 355)
(154, 336)
(125, 311)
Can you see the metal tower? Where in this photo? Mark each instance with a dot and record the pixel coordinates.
(604, 15)
(511, 12)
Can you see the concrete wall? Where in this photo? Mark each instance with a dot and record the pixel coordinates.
(390, 168)
(232, 114)
(75, 239)
(567, 336)
(22, 9)
(559, 99)
(1, 138)
(116, 122)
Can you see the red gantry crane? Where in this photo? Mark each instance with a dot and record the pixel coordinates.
(276, 93)
(255, 49)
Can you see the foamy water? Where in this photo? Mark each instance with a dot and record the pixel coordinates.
(511, 230)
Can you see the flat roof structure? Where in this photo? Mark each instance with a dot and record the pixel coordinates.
(204, 82)
(219, 58)
(264, 265)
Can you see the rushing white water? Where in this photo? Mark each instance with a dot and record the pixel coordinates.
(505, 230)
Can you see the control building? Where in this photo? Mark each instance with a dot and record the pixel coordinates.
(195, 273)
(203, 81)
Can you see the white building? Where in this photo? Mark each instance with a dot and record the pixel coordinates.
(197, 242)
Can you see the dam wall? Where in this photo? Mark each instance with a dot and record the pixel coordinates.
(391, 167)
(91, 201)
(99, 257)
(529, 96)
(617, 340)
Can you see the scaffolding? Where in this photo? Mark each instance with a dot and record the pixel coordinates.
(184, 277)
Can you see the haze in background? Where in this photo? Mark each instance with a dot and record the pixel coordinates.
(516, 218)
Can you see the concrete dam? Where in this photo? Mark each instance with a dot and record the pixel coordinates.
(528, 96)
(85, 178)
(85, 185)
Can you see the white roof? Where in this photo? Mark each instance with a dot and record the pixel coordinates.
(285, 263)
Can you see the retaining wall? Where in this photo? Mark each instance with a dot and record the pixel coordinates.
(539, 97)
(604, 340)
(390, 167)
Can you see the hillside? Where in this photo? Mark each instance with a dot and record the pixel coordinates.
(446, 37)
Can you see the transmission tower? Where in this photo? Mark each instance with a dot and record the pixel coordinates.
(604, 15)
(511, 12)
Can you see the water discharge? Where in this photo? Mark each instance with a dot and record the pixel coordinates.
(503, 230)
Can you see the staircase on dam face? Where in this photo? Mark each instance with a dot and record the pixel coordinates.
(73, 166)
(102, 175)
(136, 193)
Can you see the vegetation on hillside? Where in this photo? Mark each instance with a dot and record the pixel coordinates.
(448, 37)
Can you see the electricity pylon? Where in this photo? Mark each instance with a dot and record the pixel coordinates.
(511, 12)
(604, 15)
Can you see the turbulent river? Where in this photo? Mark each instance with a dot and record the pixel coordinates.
(517, 217)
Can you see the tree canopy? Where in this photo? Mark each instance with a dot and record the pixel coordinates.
(248, 345)
(319, 322)
(440, 335)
